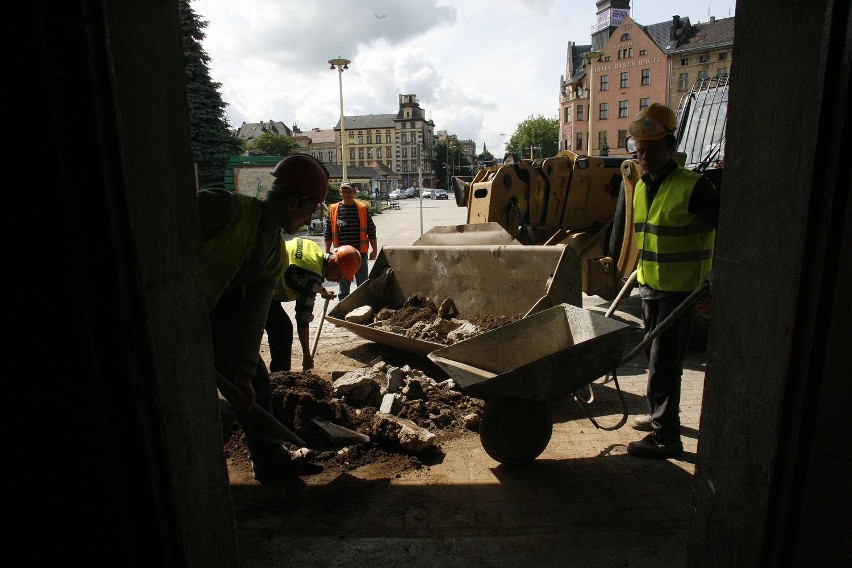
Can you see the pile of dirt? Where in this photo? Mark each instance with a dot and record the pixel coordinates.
(438, 408)
(421, 318)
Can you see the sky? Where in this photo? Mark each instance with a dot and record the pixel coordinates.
(477, 67)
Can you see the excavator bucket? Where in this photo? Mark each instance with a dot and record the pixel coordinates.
(492, 280)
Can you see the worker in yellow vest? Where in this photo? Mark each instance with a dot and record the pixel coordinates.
(306, 268)
(675, 214)
(241, 262)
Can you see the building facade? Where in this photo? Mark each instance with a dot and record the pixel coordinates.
(627, 67)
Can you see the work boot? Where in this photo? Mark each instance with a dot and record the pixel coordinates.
(281, 467)
(642, 422)
(654, 446)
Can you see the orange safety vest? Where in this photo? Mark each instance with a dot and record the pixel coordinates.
(364, 244)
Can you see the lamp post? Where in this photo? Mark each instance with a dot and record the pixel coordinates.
(341, 65)
(589, 56)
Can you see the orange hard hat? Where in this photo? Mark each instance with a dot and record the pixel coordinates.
(348, 261)
(303, 174)
(653, 123)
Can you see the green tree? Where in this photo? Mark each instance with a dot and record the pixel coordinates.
(273, 144)
(486, 157)
(538, 132)
(212, 140)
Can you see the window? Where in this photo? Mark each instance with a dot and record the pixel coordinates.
(378, 153)
(579, 145)
(723, 55)
(683, 81)
(360, 153)
(567, 115)
(387, 137)
(369, 153)
(388, 151)
(625, 53)
(405, 152)
(604, 82)
(360, 139)
(625, 37)
(625, 80)
(607, 58)
(702, 75)
(579, 113)
(330, 157)
(644, 103)
(703, 58)
(722, 71)
(603, 111)
(414, 152)
(369, 138)
(602, 139)
(352, 154)
(622, 109)
(646, 76)
(403, 138)
(643, 52)
(622, 139)
(684, 61)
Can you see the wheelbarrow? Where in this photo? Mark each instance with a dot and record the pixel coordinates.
(518, 368)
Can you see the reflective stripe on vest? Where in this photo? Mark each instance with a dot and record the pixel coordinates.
(675, 246)
(364, 241)
(303, 253)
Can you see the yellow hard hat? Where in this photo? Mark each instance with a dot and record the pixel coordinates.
(653, 123)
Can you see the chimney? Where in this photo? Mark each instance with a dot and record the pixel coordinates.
(675, 33)
(712, 19)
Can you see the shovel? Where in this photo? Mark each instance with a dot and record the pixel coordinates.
(319, 329)
(256, 419)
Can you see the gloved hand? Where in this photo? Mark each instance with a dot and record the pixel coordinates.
(704, 304)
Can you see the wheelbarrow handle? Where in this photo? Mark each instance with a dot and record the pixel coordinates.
(676, 313)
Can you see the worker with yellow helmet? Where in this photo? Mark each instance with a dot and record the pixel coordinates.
(675, 214)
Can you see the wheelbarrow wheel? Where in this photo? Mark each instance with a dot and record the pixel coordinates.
(515, 431)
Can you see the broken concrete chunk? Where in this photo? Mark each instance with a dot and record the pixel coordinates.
(464, 331)
(391, 404)
(355, 379)
(338, 434)
(395, 377)
(409, 435)
(471, 421)
(362, 315)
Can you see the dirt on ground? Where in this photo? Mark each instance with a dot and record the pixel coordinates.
(424, 395)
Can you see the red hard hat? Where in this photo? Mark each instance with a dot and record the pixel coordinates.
(304, 174)
(348, 261)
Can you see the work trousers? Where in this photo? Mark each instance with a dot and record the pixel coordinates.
(666, 354)
(360, 277)
(279, 334)
(222, 322)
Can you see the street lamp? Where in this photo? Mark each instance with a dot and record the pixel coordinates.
(588, 56)
(341, 65)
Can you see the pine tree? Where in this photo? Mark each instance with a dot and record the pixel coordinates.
(212, 141)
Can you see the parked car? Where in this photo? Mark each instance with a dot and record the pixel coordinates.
(395, 194)
(410, 192)
(426, 193)
(439, 193)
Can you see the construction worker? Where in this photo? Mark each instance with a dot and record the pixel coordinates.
(242, 260)
(349, 223)
(301, 280)
(675, 213)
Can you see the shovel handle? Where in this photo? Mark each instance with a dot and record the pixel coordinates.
(319, 329)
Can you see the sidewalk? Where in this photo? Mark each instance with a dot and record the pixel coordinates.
(583, 503)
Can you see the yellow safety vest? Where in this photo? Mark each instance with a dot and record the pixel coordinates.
(675, 246)
(303, 253)
(223, 254)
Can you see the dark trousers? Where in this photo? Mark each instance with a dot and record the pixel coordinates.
(360, 277)
(665, 362)
(279, 333)
(221, 322)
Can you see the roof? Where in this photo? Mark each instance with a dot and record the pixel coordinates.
(318, 136)
(661, 33)
(380, 170)
(708, 35)
(252, 130)
(365, 121)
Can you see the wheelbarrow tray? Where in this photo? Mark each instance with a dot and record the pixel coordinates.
(543, 357)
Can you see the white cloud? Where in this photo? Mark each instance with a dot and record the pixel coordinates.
(477, 67)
